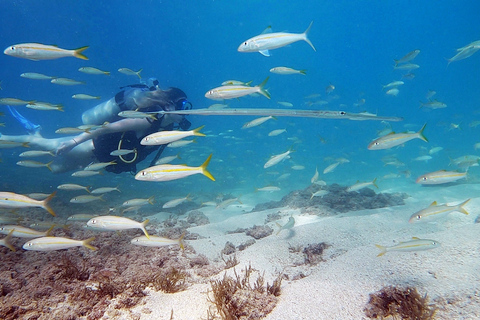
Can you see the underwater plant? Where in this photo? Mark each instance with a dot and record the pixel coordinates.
(402, 303)
(235, 298)
(170, 281)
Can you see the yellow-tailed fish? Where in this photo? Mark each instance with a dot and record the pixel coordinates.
(139, 202)
(72, 186)
(45, 106)
(130, 72)
(415, 244)
(167, 159)
(92, 70)
(167, 172)
(225, 203)
(86, 199)
(164, 137)
(115, 223)
(441, 176)
(331, 167)
(71, 130)
(57, 243)
(34, 164)
(435, 210)
(24, 232)
(393, 84)
(463, 53)
(36, 76)
(315, 176)
(320, 193)
(394, 139)
(257, 122)
(5, 144)
(236, 91)
(268, 41)
(5, 242)
(361, 185)
(236, 83)
(181, 143)
(13, 200)
(38, 51)
(285, 104)
(406, 66)
(277, 158)
(289, 225)
(268, 189)
(121, 152)
(83, 96)
(175, 202)
(98, 165)
(15, 102)
(81, 217)
(136, 115)
(287, 70)
(85, 173)
(36, 153)
(408, 57)
(104, 190)
(66, 82)
(156, 241)
(276, 132)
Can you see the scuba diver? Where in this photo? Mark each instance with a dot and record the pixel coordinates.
(112, 132)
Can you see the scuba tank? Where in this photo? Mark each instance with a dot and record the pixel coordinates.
(105, 111)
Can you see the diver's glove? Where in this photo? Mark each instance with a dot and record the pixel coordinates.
(185, 124)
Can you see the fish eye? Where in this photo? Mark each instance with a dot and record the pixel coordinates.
(419, 217)
(94, 221)
(30, 244)
(424, 178)
(245, 43)
(343, 113)
(12, 48)
(144, 173)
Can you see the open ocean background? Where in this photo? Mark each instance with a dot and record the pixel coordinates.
(193, 45)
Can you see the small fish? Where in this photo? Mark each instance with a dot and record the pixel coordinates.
(5, 242)
(71, 130)
(237, 91)
(85, 173)
(82, 96)
(38, 51)
(218, 106)
(121, 152)
(268, 41)
(13, 200)
(86, 199)
(72, 186)
(393, 84)
(315, 176)
(423, 158)
(15, 102)
(225, 203)
(298, 167)
(164, 137)
(167, 172)
(435, 210)
(45, 106)
(66, 82)
(5, 144)
(81, 217)
(175, 202)
(181, 143)
(277, 159)
(408, 57)
(139, 202)
(331, 167)
(393, 92)
(24, 232)
(136, 115)
(435, 150)
(289, 225)
(430, 94)
(130, 72)
(98, 165)
(287, 70)
(92, 70)
(35, 76)
(57, 243)
(361, 185)
(320, 193)
(268, 189)
(156, 241)
(276, 132)
(406, 66)
(329, 89)
(104, 190)
(433, 104)
(34, 164)
(394, 139)
(440, 177)
(257, 122)
(36, 153)
(285, 104)
(415, 244)
(236, 83)
(115, 223)
(464, 53)
(167, 159)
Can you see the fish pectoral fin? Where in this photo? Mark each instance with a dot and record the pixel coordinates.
(265, 53)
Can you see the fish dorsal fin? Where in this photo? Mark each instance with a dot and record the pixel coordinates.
(389, 134)
(267, 30)
(434, 203)
(415, 238)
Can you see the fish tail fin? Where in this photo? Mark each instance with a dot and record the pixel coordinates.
(374, 182)
(49, 231)
(303, 71)
(86, 243)
(312, 196)
(204, 168)
(144, 223)
(7, 243)
(138, 73)
(26, 145)
(48, 166)
(279, 226)
(188, 197)
(264, 92)
(460, 207)
(78, 53)
(382, 248)
(87, 189)
(396, 62)
(107, 73)
(305, 34)
(181, 242)
(421, 135)
(46, 201)
(151, 200)
(196, 132)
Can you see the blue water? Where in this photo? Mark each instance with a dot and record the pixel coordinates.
(193, 45)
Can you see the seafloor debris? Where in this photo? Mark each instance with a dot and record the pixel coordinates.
(404, 303)
(259, 232)
(337, 200)
(313, 252)
(236, 298)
